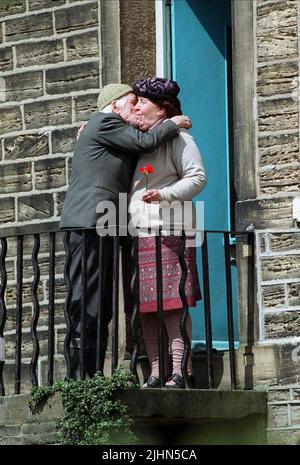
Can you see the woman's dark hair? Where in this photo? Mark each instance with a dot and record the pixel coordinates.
(162, 92)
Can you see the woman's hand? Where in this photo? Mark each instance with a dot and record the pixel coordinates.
(182, 121)
(151, 196)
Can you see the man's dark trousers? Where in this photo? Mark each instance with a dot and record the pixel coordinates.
(93, 301)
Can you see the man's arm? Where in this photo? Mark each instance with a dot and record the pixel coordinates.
(115, 133)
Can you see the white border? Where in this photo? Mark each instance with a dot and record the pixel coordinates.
(160, 30)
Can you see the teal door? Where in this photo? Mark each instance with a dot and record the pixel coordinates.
(200, 62)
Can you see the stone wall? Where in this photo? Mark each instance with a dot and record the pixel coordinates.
(54, 57)
(51, 70)
(278, 164)
(266, 205)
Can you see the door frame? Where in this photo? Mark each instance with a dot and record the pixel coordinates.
(243, 70)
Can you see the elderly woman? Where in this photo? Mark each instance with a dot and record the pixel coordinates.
(174, 172)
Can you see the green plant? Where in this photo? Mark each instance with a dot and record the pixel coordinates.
(92, 414)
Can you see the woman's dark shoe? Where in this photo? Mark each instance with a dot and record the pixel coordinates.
(152, 382)
(177, 382)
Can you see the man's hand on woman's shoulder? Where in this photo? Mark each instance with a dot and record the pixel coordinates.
(182, 121)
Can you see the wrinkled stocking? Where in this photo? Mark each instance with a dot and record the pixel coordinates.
(172, 323)
(150, 333)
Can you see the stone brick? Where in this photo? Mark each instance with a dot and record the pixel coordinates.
(38, 206)
(296, 393)
(282, 267)
(11, 295)
(295, 414)
(6, 59)
(12, 7)
(72, 78)
(22, 86)
(262, 243)
(27, 313)
(284, 437)
(35, 25)
(10, 269)
(60, 289)
(288, 366)
(50, 173)
(10, 323)
(63, 140)
(48, 113)
(43, 263)
(15, 178)
(273, 181)
(60, 197)
(275, 79)
(11, 119)
(39, 4)
(26, 345)
(273, 296)
(85, 106)
(60, 371)
(29, 145)
(277, 31)
(7, 210)
(282, 324)
(77, 17)
(28, 244)
(83, 45)
(294, 294)
(277, 115)
(40, 53)
(39, 433)
(9, 376)
(275, 395)
(279, 149)
(284, 242)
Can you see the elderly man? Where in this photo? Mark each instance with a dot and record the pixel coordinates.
(104, 160)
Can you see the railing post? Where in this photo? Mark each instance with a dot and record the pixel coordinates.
(115, 303)
(136, 304)
(67, 302)
(3, 314)
(51, 308)
(185, 310)
(207, 312)
(36, 310)
(230, 312)
(19, 309)
(100, 309)
(83, 303)
(160, 315)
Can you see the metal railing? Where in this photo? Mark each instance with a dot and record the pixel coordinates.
(36, 231)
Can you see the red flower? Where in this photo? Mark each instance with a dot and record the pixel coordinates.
(146, 169)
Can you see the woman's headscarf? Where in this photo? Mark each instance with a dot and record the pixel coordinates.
(161, 91)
